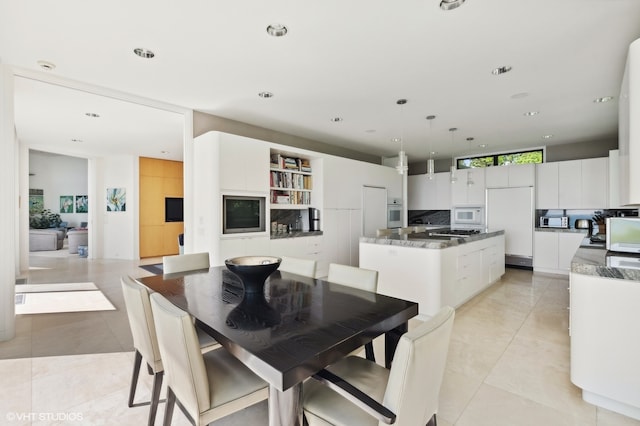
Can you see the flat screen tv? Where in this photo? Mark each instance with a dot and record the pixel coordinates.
(173, 209)
(242, 214)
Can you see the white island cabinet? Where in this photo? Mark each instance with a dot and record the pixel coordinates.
(605, 330)
(434, 273)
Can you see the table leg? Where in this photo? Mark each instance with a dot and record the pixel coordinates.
(391, 339)
(285, 408)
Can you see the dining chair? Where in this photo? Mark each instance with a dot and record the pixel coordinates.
(360, 278)
(406, 230)
(185, 262)
(207, 386)
(295, 265)
(145, 343)
(384, 232)
(356, 392)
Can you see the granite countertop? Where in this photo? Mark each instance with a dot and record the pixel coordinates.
(568, 230)
(423, 240)
(295, 234)
(600, 262)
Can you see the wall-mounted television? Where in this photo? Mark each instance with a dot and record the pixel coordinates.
(242, 213)
(173, 209)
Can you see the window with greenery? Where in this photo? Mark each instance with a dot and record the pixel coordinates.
(524, 157)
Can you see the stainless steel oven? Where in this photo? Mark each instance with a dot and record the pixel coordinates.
(394, 213)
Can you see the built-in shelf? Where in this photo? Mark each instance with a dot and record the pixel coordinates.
(290, 181)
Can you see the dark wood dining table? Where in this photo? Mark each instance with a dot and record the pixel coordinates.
(296, 328)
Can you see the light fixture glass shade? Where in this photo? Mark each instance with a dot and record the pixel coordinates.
(402, 166)
(453, 177)
(430, 168)
(469, 178)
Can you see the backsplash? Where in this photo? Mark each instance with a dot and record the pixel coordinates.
(583, 214)
(429, 217)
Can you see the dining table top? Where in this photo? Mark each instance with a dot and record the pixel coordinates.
(294, 329)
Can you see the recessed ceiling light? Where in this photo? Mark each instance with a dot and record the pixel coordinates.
(470, 139)
(433, 152)
(164, 152)
(603, 99)
(431, 117)
(76, 140)
(336, 119)
(46, 65)
(482, 145)
(547, 136)
(450, 4)
(519, 95)
(370, 131)
(501, 70)
(92, 114)
(265, 95)
(453, 129)
(396, 139)
(144, 53)
(531, 113)
(277, 30)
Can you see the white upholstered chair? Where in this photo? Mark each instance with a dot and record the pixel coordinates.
(352, 276)
(294, 265)
(185, 262)
(406, 230)
(145, 343)
(384, 233)
(207, 387)
(355, 391)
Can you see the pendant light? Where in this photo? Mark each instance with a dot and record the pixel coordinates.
(453, 177)
(402, 166)
(430, 162)
(469, 176)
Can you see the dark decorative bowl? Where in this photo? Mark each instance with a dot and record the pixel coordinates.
(253, 270)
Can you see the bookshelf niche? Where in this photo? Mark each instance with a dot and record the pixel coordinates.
(290, 181)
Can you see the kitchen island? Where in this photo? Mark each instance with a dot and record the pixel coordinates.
(434, 271)
(605, 328)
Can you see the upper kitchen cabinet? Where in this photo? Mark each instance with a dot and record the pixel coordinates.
(511, 176)
(547, 186)
(575, 184)
(629, 130)
(243, 164)
(429, 194)
(469, 187)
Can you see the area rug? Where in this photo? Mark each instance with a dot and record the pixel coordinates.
(155, 269)
(60, 297)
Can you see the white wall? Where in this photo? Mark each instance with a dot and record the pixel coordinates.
(59, 175)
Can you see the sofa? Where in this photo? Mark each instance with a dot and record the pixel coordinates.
(77, 237)
(46, 239)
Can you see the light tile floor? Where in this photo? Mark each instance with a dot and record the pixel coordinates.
(508, 359)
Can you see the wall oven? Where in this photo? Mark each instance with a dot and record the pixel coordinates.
(466, 217)
(394, 213)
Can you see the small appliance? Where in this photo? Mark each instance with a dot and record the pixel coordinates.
(554, 222)
(623, 234)
(314, 219)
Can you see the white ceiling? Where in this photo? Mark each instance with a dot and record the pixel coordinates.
(351, 59)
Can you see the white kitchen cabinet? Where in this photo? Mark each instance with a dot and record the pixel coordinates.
(629, 129)
(553, 251)
(429, 194)
(468, 188)
(342, 229)
(242, 246)
(511, 176)
(614, 180)
(302, 247)
(547, 186)
(570, 184)
(244, 164)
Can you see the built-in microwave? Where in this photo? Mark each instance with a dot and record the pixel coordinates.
(623, 234)
(467, 217)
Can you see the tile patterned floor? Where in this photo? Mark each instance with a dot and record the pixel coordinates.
(508, 359)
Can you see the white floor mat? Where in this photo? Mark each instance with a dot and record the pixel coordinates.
(62, 301)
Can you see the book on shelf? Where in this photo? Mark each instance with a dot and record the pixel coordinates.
(278, 161)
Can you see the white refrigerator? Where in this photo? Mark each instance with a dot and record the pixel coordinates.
(512, 209)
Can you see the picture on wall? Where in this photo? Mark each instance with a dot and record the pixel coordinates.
(66, 204)
(116, 199)
(82, 204)
(36, 200)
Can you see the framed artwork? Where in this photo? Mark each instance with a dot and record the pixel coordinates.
(82, 204)
(66, 204)
(116, 199)
(36, 200)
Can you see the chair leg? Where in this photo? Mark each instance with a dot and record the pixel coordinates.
(168, 409)
(149, 369)
(432, 421)
(368, 349)
(155, 396)
(134, 377)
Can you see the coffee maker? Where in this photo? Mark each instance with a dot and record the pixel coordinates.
(314, 219)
